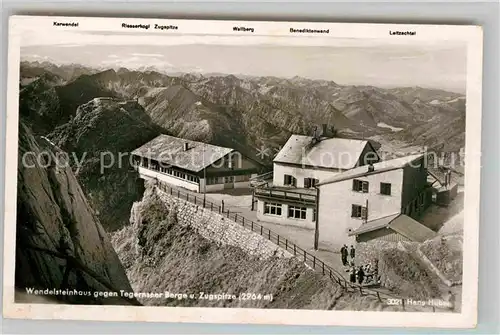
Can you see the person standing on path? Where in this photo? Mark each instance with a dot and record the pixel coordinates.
(352, 276)
(353, 252)
(361, 275)
(343, 254)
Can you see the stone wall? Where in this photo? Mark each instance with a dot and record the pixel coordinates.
(220, 229)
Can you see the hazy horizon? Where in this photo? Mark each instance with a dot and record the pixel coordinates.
(386, 66)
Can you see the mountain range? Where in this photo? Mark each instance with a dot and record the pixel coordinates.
(71, 105)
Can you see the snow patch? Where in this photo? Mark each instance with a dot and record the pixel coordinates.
(435, 102)
(385, 125)
(455, 100)
(198, 103)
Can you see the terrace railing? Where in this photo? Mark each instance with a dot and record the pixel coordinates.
(273, 193)
(309, 259)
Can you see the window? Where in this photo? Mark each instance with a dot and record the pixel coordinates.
(297, 212)
(290, 180)
(179, 174)
(385, 188)
(272, 208)
(360, 212)
(360, 186)
(228, 179)
(310, 182)
(213, 180)
(192, 178)
(314, 215)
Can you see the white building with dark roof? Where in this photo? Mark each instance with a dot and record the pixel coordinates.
(302, 163)
(382, 201)
(196, 166)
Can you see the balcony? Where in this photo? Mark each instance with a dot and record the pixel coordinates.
(301, 196)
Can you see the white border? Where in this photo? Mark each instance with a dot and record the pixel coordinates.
(471, 35)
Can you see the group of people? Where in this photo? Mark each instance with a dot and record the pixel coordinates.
(345, 253)
(362, 274)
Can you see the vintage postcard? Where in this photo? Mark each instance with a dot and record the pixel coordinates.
(242, 172)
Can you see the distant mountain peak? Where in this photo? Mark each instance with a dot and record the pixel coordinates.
(108, 71)
(122, 70)
(232, 77)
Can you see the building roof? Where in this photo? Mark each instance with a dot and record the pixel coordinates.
(379, 167)
(411, 229)
(335, 153)
(400, 223)
(170, 150)
(374, 225)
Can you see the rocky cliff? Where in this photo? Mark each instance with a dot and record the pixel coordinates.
(164, 250)
(60, 243)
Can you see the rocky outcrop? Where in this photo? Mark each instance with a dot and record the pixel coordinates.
(39, 104)
(192, 258)
(60, 243)
(405, 275)
(399, 267)
(444, 256)
(100, 138)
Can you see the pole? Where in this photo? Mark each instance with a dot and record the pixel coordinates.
(204, 177)
(365, 219)
(253, 197)
(316, 226)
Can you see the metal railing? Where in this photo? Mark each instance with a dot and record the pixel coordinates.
(303, 255)
(283, 194)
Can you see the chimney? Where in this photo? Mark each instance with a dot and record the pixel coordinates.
(186, 146)
(371, 168)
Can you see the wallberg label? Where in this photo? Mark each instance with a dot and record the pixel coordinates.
(244, 29)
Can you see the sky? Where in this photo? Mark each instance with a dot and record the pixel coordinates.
(345, 61)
